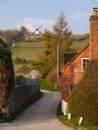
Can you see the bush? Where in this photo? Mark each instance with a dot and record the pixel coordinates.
(48, 86)
(19, 60)
(6, 73)
(6, 66)
(83, 100)
(23, 70)
(52, 76)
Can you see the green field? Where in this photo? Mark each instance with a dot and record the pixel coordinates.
(78, 46)
(33, 50)
(28, 50)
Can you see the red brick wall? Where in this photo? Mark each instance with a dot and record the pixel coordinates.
(72, 73)
(94, 37)
(3, 83)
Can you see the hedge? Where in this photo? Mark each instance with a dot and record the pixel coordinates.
(83, 100)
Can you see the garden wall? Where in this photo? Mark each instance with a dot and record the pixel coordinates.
(21, 93)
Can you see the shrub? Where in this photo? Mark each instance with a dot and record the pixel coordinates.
(52, 76)
(83, 100)
(6, 73)
(48, 86)
(6, 66)
(23, 70)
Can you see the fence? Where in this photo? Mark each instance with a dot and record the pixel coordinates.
(21, 93)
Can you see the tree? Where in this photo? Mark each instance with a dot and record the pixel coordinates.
(47, 60)
(61, 28)
(62, 35)
(11, 36)
(23, 30)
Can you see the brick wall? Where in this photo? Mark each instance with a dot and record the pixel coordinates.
(72, 73)
(94, 36)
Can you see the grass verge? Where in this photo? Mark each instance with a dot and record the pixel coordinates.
(48, 86)
(30, 101)
(74, 121)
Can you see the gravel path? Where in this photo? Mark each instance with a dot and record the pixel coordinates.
(39, 116)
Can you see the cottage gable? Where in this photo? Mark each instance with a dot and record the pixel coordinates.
(73, 70)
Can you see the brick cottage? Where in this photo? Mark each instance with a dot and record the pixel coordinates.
(73, 70)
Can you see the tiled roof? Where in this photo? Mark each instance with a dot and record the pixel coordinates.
(68, 56)
(74, 58)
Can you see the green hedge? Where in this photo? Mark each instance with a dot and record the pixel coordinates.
(83, 100)
(48, 86)
(6, 60)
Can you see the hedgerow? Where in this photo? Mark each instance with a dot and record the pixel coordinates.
(83, 100)
(6, 66)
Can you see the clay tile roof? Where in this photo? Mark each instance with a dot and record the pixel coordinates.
(73, 58)
(68, 56)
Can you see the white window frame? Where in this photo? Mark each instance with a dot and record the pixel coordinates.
(82, 68)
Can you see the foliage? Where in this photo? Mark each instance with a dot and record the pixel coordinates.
(60, 35)
(6, 60)
(60, 26)
(79, 37)
(21, 61)
(6, 73)
(23, 30)
(23, 70)
(74, 121)
(48, 86)
(12, 36)
(83, 100)
(52, 76)
(79, 41)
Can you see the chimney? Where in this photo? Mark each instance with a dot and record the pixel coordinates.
(94, 35)
(95, 11)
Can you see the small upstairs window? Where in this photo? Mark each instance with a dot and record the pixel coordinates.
(84, 63)
(71, 87)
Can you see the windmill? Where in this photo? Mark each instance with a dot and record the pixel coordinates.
(37, 31)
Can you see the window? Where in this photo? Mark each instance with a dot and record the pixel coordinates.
(71, 87)
(84, 63)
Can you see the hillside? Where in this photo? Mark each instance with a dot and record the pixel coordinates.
(79, 41)
(28, 50)
(31, 50)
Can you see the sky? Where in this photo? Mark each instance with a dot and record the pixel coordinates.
(35, 13)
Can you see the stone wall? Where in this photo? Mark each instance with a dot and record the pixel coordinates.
(20, 94)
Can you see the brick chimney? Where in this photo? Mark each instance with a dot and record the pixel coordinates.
(94, 34)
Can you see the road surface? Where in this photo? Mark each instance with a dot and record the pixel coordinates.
(39, 116)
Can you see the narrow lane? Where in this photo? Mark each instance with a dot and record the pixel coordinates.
(39, 116)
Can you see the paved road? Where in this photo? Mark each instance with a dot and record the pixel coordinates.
(39, 116)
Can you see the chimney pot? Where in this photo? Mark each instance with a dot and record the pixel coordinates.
(95, 11)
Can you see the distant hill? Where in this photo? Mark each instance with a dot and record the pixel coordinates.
(30, 47)
(31, 50)
(79, 41)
